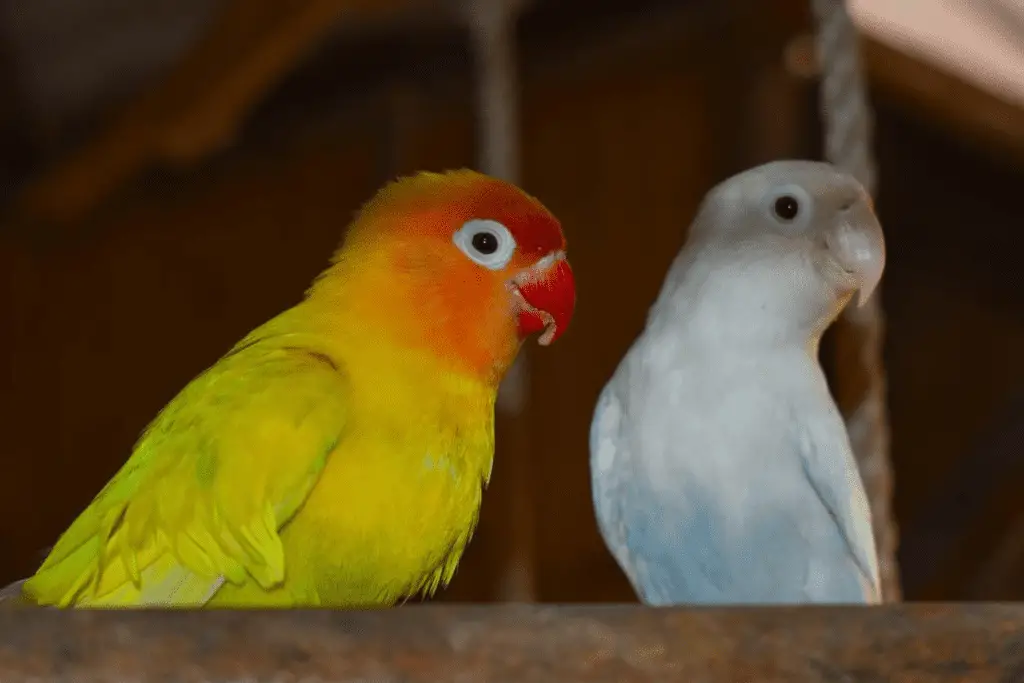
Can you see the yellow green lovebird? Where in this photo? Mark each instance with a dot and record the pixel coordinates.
(336, 456)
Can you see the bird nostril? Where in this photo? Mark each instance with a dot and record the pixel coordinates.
(846, 206)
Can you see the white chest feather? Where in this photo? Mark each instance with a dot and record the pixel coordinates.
(730, 447)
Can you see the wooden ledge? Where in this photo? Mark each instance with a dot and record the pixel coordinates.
(920, 643)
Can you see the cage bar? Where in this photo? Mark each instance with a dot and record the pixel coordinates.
(622, 643)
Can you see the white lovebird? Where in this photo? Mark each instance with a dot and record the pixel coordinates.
(721, 468)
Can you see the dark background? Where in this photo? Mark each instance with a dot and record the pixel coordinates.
(152, 215)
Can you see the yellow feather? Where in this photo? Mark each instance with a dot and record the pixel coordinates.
(388, 486)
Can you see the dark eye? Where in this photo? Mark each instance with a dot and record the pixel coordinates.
(485, 243)
(786, 207)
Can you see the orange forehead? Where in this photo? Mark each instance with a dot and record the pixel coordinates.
(435, 205)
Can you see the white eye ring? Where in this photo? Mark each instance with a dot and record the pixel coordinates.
(486, 242)
(803, 205)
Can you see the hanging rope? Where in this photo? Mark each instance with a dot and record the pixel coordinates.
(848, 126)
(492, 23)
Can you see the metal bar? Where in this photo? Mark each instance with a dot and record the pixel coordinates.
(892, 643)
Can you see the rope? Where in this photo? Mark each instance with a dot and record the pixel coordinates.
(848, 125)
(492, 24)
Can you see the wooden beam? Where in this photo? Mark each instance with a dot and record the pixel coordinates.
(197, 109)
(897, 644)
(961, 108)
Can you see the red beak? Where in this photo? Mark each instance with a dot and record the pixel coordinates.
(544, 297)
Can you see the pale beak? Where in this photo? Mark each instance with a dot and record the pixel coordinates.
(858, 246)
(544, 297)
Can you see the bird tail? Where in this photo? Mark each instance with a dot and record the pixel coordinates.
(12, 597)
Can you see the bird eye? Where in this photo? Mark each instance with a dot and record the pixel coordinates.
(786, 207)
(790, 206)
(486, 242)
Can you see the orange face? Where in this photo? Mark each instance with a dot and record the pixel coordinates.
(463, 264)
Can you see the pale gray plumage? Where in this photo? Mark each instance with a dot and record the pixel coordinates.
(721, 468)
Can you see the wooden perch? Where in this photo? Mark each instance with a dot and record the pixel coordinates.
(196, 110)
(896, 644)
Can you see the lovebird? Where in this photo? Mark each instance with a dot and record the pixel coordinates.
(336, 456)
(721, 468)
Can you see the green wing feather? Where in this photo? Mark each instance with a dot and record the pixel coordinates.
(208, 487)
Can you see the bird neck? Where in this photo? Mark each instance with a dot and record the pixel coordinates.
(363, 303)
(716, 305)
(389, 376)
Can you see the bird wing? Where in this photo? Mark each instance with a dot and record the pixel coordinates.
(690, 540)
(210, 483)
(831, 470)
(605, 461)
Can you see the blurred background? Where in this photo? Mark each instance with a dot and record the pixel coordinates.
(174, 172)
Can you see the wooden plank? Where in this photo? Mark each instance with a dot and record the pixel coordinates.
(977, 42)
(417, 644)
(961, 108)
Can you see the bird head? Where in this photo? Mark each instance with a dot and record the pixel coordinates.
(794, 235)
(461, 264)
